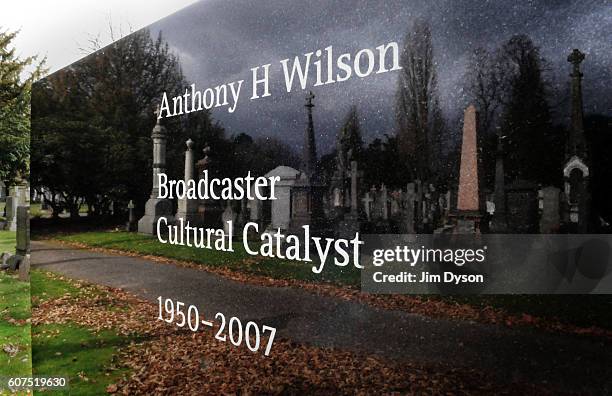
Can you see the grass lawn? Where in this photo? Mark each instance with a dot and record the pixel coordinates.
(7, 241)
(70, 350)
(15, 342)
(238, 260)
(35, 210)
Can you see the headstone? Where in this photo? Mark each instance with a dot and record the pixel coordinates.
(242, 216)
(550, 220)
(188, 208)
(396, 198)
(255, 208)
(132, 224)
(227, 216)
(367, 205)
(281, 206)
(337, 197)
(301, 204)
(11, 213)
(350, 224)
(156, 207)
(468, 201)
(447, 204)
(490, 206)
(522, 200)
(21, 259)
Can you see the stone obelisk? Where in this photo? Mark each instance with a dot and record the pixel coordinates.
(156, 207)
(188, 208)
(468, 198)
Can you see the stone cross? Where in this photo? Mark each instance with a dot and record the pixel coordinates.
(309, 98)
(204, 163)
(576, 170)
(131, 224)
(576, 58)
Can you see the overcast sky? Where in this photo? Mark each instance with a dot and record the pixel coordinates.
(220, 40)
(60, 29)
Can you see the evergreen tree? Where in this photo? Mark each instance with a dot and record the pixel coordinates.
(101, 108)
(14, 110)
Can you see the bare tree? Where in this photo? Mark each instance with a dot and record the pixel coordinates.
(417, 108)
(486, 82)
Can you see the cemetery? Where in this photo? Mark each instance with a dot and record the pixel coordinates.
(341, 205)
(260, 215)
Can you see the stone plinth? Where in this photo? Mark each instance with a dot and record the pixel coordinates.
(156, 207)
